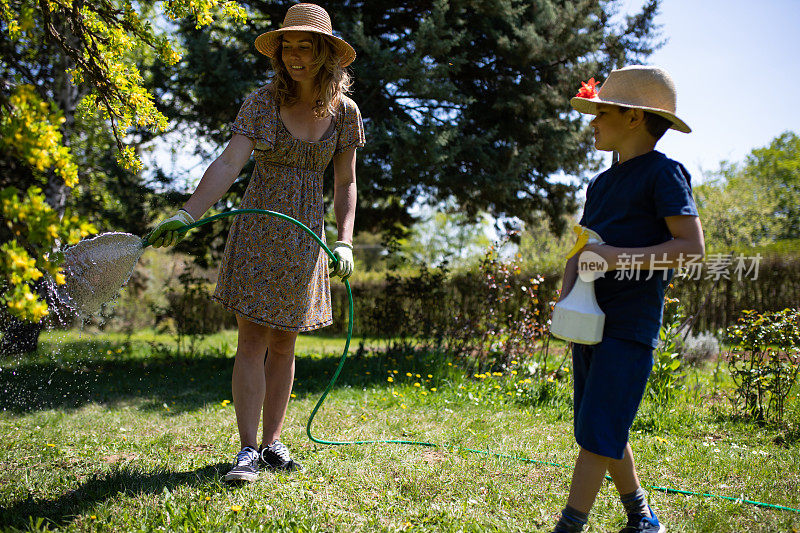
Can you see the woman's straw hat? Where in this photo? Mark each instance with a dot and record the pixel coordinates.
(306, 17)
(647, 88)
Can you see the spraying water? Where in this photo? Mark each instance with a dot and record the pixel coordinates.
(96, 269)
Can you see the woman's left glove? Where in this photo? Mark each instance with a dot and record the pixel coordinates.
(345, 264)
(166, 233)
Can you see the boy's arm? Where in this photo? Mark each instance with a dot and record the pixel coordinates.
(687, 240)
(570, 274)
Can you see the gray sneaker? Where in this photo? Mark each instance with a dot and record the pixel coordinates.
(245, 466)
(276, 456)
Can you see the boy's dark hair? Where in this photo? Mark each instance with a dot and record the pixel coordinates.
(656, 125)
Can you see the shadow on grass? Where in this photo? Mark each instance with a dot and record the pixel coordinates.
(86, 373)
(61, 510)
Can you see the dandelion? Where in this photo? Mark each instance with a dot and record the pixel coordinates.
(660, 439)
(513, 372)
(368, 373)
(430, 376)
(497, 373)
(51, 445)
(294, 395)
(433, 389)
(394, 371)
(417, 375)
(208, 498)
(390, 379)
(403, 406)
(236, 508)
(93, 517)
(417, 384)
(408, 374)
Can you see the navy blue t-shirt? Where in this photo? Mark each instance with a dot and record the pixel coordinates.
(626, 206)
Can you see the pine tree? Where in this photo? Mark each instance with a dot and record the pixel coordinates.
(465, 101)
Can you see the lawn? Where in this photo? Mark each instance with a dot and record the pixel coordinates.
(105, 432)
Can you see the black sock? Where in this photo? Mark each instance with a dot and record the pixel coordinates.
(571, 521)
(635, 503)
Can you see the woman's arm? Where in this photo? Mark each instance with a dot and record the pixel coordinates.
(344, 193)
(220, 175)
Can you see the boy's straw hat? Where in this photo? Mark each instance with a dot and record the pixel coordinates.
(641, 87)
(306, 17)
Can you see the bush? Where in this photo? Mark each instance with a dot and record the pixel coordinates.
(699, 348)
(764, 362)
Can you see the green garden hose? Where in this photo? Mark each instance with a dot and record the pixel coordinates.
(342, 360)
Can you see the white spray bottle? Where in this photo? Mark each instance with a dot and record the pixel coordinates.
(578, 318)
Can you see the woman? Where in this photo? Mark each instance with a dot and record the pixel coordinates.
(273, 275)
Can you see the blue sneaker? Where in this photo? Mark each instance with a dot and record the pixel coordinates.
(643, 524)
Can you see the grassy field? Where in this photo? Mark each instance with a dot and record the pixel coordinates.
(105, 432)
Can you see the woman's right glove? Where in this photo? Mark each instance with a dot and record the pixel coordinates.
(166, 233)
(344, 255)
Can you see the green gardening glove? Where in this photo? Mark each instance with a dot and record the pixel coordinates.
(166, 233)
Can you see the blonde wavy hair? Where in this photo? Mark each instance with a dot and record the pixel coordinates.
(332, 80)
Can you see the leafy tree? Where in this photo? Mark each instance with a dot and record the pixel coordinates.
(756, 202)
(777, 169)
(67, 76)
(464, 101)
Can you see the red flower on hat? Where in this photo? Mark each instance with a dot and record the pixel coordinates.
(588, 89)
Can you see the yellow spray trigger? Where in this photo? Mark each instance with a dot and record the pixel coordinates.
(583, 239)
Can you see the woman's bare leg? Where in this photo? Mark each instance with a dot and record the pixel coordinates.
(279, 376)
(248, 382)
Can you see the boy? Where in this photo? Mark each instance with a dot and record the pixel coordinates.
(643, 209)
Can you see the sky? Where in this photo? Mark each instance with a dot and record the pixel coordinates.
(737, 70)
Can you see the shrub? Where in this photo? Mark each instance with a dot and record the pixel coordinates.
(764, 362)
(699, 348)
(666, 376)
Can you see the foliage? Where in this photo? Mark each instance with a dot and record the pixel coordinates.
(33, 223)
(696, 349)
(489, 318)
(187, 311)
(69, 69)
(755, 202)
(511, 320)
(463, 101)
(409, 308)
(769, 281)
(666, 375)
(30, 132)
(764, 362)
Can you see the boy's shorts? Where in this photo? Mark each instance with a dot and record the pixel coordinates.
(609, 382)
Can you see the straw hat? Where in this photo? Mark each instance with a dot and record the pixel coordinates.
(311, 18)
(647, 88)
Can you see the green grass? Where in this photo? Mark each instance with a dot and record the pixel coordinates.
(104, 432)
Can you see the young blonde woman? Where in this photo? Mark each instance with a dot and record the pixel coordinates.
(273, 276)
